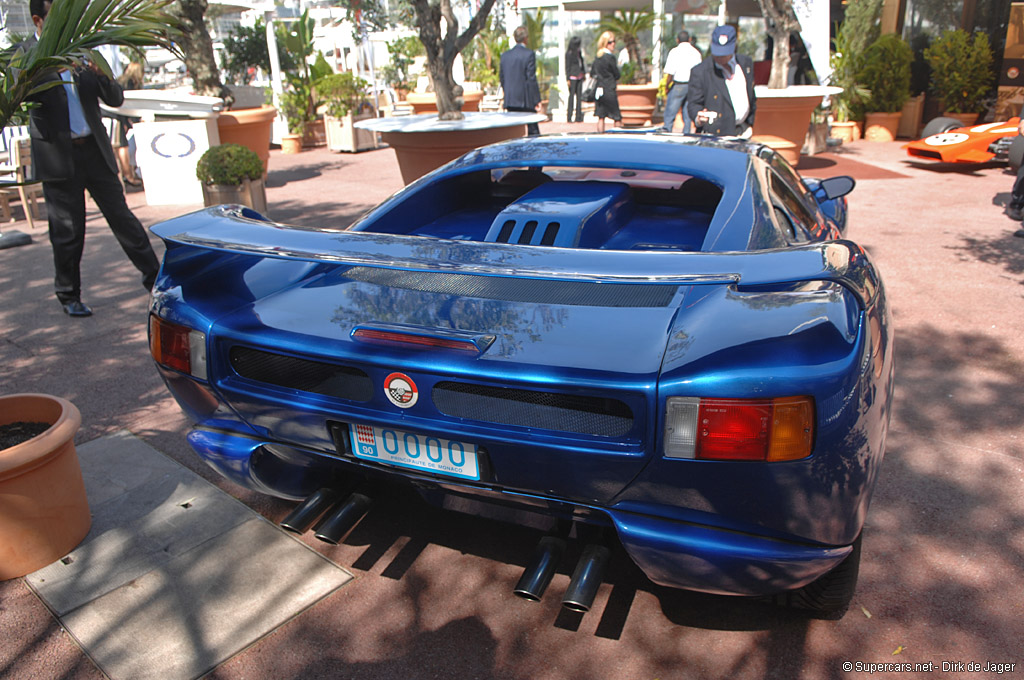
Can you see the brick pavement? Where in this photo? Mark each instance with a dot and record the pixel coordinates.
(943, 572)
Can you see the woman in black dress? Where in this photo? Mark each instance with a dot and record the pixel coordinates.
(575, 72)
(606, 71)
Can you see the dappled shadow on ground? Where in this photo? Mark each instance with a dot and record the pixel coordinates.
(1005, 251)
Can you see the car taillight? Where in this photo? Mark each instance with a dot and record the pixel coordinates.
(739, 429)
(392, 338)
(178, 347)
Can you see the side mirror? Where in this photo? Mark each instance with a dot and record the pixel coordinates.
(835, 187)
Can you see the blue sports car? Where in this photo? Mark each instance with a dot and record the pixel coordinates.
(660, 344)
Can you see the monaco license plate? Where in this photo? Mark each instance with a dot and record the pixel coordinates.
(405, 449)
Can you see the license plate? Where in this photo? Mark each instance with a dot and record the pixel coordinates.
(405, 449)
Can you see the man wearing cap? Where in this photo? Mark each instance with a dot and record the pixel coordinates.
(721, 97)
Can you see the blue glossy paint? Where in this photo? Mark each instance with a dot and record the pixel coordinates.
(667, 274)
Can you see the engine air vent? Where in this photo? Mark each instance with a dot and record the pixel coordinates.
(330, 380)
(596, 416)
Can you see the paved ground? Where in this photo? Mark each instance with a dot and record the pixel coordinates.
(942, 577)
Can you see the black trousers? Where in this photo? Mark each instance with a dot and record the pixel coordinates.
(1017, 196)
(532, 129)
(575, 102)
(65, 208)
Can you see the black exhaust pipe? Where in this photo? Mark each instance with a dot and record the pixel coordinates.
(308, 511)
(342, 519)
(538, 572)
(586, 579)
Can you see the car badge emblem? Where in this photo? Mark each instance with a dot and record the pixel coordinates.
(401, 390)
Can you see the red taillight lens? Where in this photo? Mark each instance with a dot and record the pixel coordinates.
(739, 429)
(730, 429)
(393, 338)
(178, 347)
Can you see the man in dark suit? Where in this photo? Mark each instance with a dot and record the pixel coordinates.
(518, 73)
(721, 99)
(71, 153)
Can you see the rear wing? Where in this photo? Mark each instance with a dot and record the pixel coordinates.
(236, 229)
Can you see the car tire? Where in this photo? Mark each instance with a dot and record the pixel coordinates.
(1015, 156)
(829, 596)
(939, 125)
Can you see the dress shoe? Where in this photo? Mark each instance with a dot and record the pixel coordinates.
(76, 308)
(1014, 213)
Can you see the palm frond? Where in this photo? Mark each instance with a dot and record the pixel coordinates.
(73, 31)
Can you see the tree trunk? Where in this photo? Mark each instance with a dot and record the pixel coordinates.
(197, 47)
(442, 50)
(781, 21)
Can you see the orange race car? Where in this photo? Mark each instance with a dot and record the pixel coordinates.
(947, 140)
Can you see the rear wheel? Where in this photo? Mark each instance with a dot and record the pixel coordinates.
(830, 595)
(939, 125)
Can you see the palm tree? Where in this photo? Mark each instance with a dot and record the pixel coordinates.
(627, 25)
(73, 31)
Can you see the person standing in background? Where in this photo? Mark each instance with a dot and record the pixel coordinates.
(71, 153)
(721, 98)
(605, 70)
(575, 71)
(131, 79)
(681, 60)
(517, 72)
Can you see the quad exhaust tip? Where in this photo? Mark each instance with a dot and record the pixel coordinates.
(337, 513)
(585, 581)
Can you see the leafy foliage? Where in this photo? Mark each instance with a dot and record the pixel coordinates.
(228, 164)
(244, 48)
(342, 92)
(403, 51)
(846, 63)
(628, 25)
(886, 73)
(961, 70)
(73, 31)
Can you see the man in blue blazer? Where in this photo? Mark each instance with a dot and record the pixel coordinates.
(721, 98)
(518, 73)
(71, 153)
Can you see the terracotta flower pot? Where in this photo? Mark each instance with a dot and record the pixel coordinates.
(965, 118)
(291, 143)
(44, 513)
(785, 113)
(847, 130)
(426, 102)
(250, 128)
(881, 127)
(636, 103)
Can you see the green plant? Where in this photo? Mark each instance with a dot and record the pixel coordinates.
(846, 63)
(627, 25)
(73, 31)
(886, 73)
(244, 48)
(342, 92)
(402, 53)
(961, 70)
(228, 164)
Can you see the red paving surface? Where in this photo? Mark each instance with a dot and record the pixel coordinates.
(942, 578)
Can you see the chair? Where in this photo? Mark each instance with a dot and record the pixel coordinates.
(13, 177)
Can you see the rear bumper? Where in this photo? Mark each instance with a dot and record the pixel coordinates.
(671, 553)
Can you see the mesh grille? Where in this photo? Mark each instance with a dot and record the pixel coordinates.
(576, 293)
(544, 410)
(329, 380)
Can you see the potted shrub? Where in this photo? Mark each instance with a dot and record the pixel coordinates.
(961, 73)
(232, 173)
(345, 95)
(885, 72)
(846, 63)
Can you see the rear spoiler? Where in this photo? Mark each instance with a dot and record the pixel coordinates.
(237, 229)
